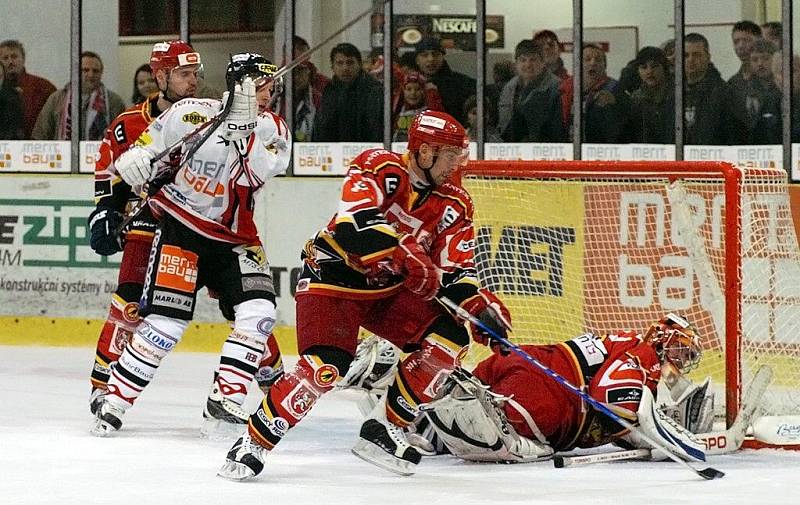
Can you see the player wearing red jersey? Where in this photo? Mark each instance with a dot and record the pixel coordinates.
(175, 65)
(402, 234)
(525, 415)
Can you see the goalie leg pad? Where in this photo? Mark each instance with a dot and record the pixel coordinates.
(470, 421)
(374, 365)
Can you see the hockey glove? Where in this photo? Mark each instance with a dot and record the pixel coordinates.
(134, 166)
(243, 116)
(421, 275)
(103, 225)
(493, 313)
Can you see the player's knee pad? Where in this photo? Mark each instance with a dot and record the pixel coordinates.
(156, 336)
(255, 317)
(469, 419)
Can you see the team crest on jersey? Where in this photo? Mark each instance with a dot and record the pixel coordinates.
(194, 118)
(299, 401)
(449, 217)
(130, 312)
(390, 184)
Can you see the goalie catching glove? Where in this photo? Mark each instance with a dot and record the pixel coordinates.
(243, 116)
(421, 275)
(491, 311)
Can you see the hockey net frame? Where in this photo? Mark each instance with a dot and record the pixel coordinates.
(755, 216)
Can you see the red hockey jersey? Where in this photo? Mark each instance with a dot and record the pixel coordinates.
(380, 200)
(613, 369)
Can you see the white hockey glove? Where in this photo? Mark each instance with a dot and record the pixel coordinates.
(242, 118)
(692, 408)
(134, 166)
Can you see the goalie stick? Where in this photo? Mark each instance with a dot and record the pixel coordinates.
(716, 442)
(708, 473)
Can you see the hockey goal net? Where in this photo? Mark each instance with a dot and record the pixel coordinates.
(577, 247)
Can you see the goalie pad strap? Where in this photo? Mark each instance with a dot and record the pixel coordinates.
(528, 420)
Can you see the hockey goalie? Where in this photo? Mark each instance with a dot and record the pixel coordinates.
(508, 411)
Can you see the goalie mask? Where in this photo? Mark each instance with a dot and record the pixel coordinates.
(676, 341)
(253, 65)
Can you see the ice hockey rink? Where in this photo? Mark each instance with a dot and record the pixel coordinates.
(48, 457)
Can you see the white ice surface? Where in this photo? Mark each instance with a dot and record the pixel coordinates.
(48, 457)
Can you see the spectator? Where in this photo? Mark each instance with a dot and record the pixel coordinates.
(10, 109)
(454, 87)
(306, 99)
(144, 84)
(669, 51)
(757, 104)
(530, 104)
(352, 104)
(99, 106)
(773, 32)
(777, 75)
(551, 49)
(652, 104)
(413, 96)
(318, 80)
(502, 72)
(743, 35)
(375, 68)
(706, 101)
(605, 109)
(317, 84)
(408, 62)
(33, 89)
(491, 133)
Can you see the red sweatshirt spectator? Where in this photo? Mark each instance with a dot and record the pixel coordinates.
(33, 89)
(413, 96)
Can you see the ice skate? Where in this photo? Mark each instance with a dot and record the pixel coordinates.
(245, 460)
(108, 418)
(95, 399)
(222, 418)
(383, 444)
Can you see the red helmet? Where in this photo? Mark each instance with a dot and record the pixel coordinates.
(437, 129)
(173, 54)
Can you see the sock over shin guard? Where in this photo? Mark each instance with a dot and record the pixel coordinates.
(114, 336)
(419, 377)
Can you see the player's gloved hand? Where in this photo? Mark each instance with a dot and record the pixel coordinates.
(243, 116)
(491, 311)
(103, 225)
(134, 166)
(421, 275)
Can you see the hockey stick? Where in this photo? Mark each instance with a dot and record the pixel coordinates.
(716, 442)
(706, 473)
(603, 457)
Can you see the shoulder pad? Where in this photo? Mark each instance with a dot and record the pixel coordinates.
(374, 159)
(456, 192)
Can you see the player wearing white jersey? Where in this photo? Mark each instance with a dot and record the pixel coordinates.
(206, 237)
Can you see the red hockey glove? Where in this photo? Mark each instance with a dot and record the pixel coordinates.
(491, 311)
(421, 275)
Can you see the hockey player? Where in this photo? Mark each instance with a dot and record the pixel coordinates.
(511, 411)
(205, 237)
(402, 235)
(175, 66)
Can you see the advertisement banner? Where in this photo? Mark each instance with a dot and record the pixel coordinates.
(455, 31)
(34, 156)
(90, 152)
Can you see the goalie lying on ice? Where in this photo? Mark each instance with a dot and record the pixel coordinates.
(509, 411)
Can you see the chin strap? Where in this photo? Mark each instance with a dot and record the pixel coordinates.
(427, 171)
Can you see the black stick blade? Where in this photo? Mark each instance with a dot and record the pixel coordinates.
(710, 473)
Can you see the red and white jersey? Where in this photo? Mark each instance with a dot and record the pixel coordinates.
(213, 192)
(381, 199)
(613, 369)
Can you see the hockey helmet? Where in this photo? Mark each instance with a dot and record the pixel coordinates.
(436, 129)
(173, 54)
(254, 65)
(676, 341)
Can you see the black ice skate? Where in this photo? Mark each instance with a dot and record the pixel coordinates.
(384, 444)
(108, 418)
(222, 418)
(245, 460)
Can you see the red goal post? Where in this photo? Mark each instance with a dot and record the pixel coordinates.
(576, 246)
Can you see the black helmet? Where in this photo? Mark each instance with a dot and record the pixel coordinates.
(252, 64)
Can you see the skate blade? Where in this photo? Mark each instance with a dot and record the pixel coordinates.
(371, 453)
(237, 472)
(102, 429)
(216, 430)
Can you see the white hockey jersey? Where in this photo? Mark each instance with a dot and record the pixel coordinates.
(214, 192)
